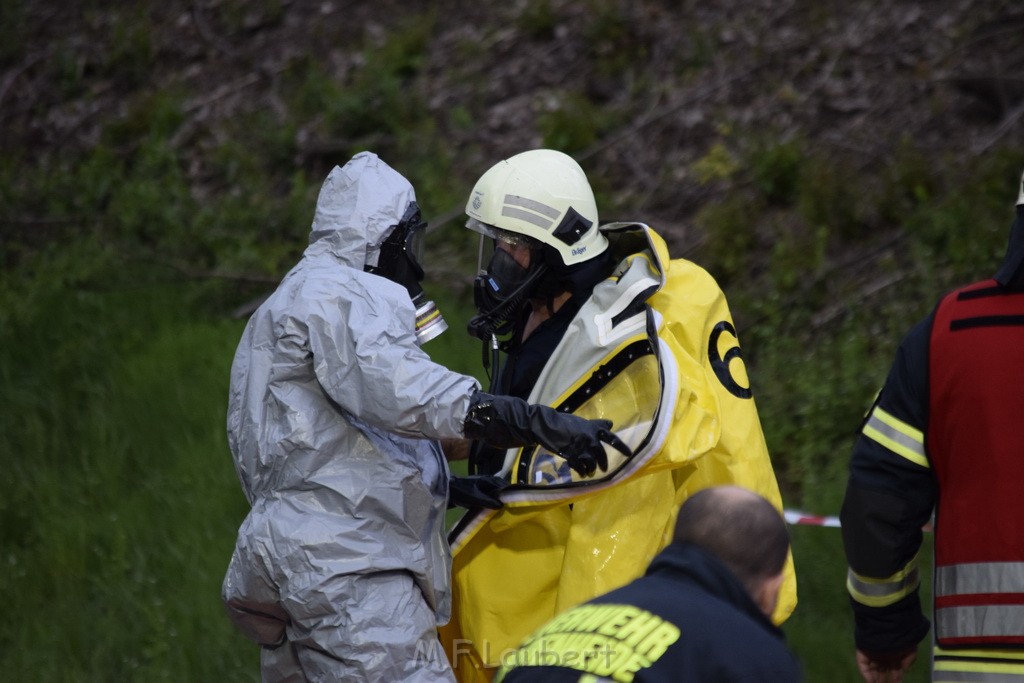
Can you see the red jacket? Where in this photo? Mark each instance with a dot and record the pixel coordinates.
(975, 441)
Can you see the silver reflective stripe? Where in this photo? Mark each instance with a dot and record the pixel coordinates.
(979, 577)
(531, 211)
(880, 589)
(979, 621)
(532, 205)
(526, 216)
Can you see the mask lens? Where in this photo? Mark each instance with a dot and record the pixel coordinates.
(398, 258)
(414, 247)
(506, 272)
(414, 243)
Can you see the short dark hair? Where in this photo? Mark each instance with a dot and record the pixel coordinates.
(740, 528)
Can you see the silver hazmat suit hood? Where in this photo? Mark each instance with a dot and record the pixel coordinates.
(358, 207)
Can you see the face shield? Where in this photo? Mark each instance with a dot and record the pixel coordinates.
(398, 260)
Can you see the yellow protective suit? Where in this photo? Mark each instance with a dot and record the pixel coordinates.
(655, 351)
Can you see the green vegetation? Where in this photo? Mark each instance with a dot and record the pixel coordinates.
(115, 531)
(116, 335)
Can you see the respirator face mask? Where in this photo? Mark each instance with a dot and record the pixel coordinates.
(501, 290)
(399, 261)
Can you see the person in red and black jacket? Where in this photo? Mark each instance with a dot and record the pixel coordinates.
(945, 434)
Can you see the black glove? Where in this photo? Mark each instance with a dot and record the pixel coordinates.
(476, 491)
(509, 422)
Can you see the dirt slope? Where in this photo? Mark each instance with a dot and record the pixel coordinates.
(671, 79)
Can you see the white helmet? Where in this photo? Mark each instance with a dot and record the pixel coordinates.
(541, 194)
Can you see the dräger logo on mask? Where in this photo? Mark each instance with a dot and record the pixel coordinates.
(578, 251)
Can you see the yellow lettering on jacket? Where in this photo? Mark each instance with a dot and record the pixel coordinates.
(638, 628)
(615, 641)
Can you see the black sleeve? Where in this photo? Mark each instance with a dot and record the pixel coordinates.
(890, 496)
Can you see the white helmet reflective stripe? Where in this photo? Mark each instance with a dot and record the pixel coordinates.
(542, 194)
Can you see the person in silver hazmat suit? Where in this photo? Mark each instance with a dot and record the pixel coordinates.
(341, 568)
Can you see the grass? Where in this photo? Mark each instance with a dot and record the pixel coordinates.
(116, 535)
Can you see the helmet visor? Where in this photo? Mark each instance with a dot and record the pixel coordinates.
(513, 238)
(491, 235)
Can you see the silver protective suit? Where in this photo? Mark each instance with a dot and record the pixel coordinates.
(341, 568)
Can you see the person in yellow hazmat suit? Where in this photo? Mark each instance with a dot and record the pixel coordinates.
(599, 321)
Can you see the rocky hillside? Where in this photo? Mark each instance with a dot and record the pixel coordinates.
(666, 104)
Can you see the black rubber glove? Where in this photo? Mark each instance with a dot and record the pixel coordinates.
(509, 422)
(476, 491)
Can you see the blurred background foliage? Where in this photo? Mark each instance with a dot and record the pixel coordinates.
(834, 167)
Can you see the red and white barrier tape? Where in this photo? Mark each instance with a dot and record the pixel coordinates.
(798, 517)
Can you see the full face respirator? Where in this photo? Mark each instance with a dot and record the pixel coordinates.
(502, 287)
(398, 260)
(500, 292)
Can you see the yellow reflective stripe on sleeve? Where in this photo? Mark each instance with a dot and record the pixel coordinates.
(881, 592)
(897, 436)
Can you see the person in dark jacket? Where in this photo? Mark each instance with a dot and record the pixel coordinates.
(701, 613)
(944, 434)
